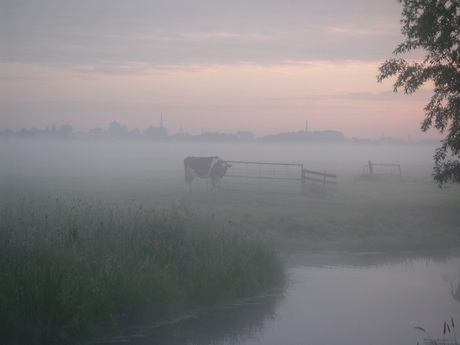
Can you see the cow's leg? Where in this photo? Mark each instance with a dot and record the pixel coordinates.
(215, 184)
(190, 183)
(189, 176)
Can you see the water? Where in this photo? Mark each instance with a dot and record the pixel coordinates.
(353, 299)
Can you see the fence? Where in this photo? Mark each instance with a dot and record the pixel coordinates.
(276, 177)
(373, 169)
(323, 178)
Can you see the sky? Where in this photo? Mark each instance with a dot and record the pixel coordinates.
(264, 66)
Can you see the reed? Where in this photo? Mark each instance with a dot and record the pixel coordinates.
(75, 269)
(449, 335)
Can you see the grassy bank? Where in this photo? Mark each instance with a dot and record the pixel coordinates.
(75, 269)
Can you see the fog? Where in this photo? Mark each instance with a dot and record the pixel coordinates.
(152, 173)
(149, 159)
(150, 168)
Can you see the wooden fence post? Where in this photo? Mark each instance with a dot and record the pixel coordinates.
(371, 169)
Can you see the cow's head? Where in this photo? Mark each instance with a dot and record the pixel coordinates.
(225, 166)
(218, 173)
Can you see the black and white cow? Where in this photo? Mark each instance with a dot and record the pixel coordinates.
(205, 167)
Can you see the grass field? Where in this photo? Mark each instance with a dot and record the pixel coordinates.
(387, 214)
(116, 221)
(361, 216)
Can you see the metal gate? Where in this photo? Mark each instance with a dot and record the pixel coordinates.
(259, 176)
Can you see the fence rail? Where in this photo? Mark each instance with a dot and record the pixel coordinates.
(291, 177)
(324, 180)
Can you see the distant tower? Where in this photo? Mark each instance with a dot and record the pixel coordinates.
(161, 120)
(306, 126)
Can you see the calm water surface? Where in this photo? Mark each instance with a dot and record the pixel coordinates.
(331, 299)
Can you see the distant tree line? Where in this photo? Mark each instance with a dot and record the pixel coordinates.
(116, 131)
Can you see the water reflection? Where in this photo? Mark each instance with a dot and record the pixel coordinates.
(333, 298)
(365, 259)
(229, 324)
(367, 298)
(455, 292)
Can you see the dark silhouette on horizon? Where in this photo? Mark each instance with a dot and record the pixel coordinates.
(116, 131)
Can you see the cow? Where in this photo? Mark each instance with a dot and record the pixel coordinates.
(205, 167)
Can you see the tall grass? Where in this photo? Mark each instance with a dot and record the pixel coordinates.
(73, 269)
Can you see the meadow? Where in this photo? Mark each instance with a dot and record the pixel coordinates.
(386, 214)
(96, 235)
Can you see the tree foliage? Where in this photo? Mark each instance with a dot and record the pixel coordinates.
(433, 26)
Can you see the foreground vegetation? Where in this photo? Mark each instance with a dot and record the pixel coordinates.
(75, 269)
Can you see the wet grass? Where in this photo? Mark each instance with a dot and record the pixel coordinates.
(385, 215)
(76, 269)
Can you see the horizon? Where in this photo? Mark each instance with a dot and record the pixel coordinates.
(72, 133)
(264, 67)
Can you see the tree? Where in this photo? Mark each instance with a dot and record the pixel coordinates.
(434, 26)
(117, 131)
